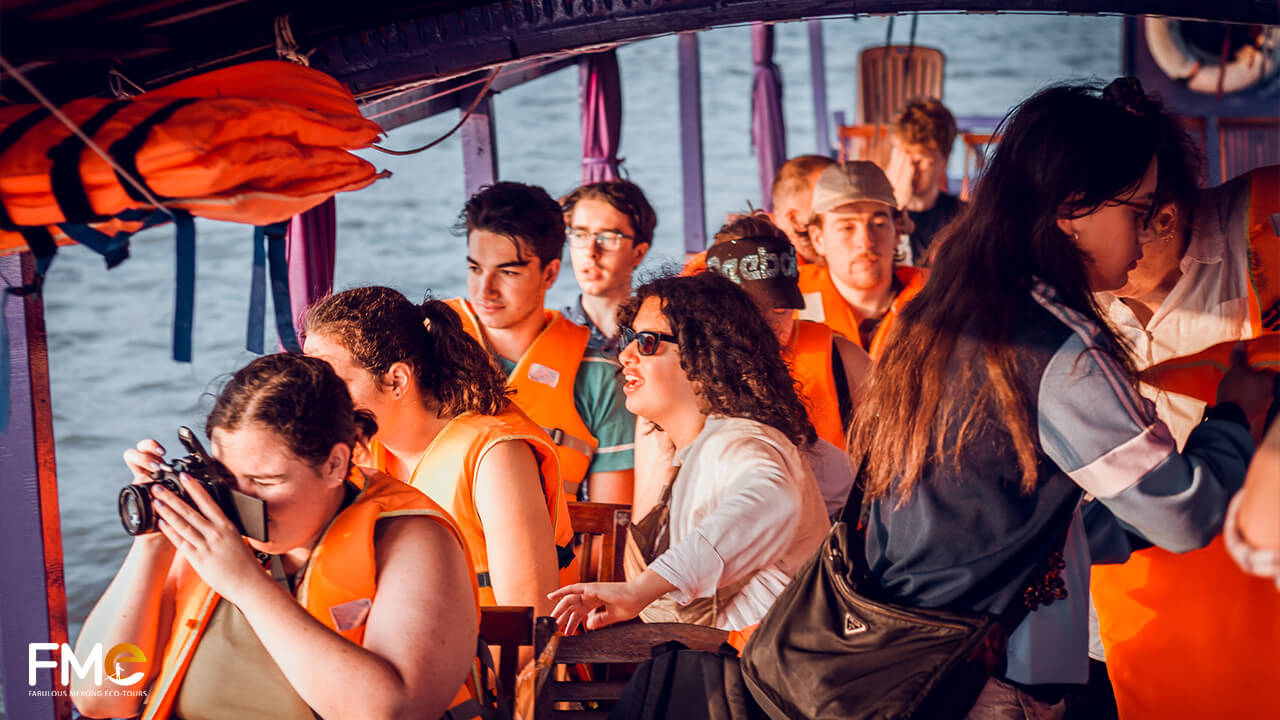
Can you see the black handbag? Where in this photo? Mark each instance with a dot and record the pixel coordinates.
(825, 650)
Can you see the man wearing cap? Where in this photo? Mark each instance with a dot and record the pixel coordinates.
(759, 258)
(854, 225)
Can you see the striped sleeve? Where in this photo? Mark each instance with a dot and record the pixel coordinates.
(1106, 437)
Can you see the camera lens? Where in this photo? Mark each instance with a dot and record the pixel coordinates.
(135, 510)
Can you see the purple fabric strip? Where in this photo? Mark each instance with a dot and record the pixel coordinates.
(600, 100)
(768, 130)
(310, 244)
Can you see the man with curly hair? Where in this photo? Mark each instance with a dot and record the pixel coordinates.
(610, 228)
(921, 138)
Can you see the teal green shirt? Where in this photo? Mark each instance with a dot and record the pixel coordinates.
(597, 395)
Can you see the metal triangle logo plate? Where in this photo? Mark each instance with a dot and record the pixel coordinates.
(853, 626)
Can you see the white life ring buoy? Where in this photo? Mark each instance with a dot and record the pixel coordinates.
(1251, 66)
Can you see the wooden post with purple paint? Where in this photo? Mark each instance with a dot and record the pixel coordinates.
(695, 221)
(818, 69)
(33, 596)
(479, 144)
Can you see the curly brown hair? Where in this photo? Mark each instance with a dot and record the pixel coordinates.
(926, 122)
(622, 195)
(381, 327)
(728, 351)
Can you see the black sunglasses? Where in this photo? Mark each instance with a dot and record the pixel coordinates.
(646, 340)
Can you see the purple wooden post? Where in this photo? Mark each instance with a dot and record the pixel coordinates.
(310, 245)
(818, 69)
(33, 597)
(768, 129)
(695, 221)
(479, 144)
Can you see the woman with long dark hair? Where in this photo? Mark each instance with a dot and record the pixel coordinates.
(1003, 396)
(742, 510)
(446, 426)
(369, 589)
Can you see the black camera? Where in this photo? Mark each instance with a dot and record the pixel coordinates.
(249, 514)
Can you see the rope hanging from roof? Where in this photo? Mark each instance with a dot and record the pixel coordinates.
(474, 104)
(287, 47)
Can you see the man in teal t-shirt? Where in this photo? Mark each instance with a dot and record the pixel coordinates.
(515, 236)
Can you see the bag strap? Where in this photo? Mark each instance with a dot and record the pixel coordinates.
(844, 399)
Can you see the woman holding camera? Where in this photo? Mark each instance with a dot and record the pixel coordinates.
(446, 427)
(742, 511)
(372, 610)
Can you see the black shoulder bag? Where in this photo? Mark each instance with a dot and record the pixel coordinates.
(825, 650)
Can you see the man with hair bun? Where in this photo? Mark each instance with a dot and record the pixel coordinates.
(515, 236)
(920, 140)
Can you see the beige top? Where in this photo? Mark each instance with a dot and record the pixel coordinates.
(231, 675)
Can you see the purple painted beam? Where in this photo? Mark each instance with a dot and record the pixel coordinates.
(818, 69)
(33, 597)
(311, 241)
(479, 143)
(695, 220)
(768, 126)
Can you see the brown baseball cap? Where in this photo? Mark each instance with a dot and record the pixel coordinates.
(763, 266)
(850, 182)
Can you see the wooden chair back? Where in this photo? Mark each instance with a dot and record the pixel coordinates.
(977, 150)
(889, 76)
(620, 644)
(864, 142)
(509, 628)
(602, 528)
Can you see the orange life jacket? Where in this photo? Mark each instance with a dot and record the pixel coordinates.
(254, 143)
(809, 353)
(1198, 375)
(543, 383)
(823, 303)
(341, 572)
(447, 474)
(1191, 636)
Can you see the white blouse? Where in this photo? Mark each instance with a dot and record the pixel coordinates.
(744, 505)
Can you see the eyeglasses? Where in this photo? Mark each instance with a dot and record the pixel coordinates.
(1148, 208)
(606, 239)
(646, 340)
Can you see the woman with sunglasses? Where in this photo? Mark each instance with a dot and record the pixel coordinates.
(1004, 395)
(742, 511)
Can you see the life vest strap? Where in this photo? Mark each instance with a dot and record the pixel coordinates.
(483, 580)
(184, 307)
(8, 138)
(564, 439)
(64, 172)
(125, 150)
(270, 247)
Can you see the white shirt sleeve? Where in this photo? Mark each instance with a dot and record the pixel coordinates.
(752, 524)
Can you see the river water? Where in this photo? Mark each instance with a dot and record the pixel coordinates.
(109, 331)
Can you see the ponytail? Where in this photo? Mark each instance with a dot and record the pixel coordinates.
(462, 376)
(381, 327)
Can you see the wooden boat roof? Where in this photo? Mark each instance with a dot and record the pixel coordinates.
(81, 48)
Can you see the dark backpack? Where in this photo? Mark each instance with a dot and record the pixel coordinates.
(685, 684)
